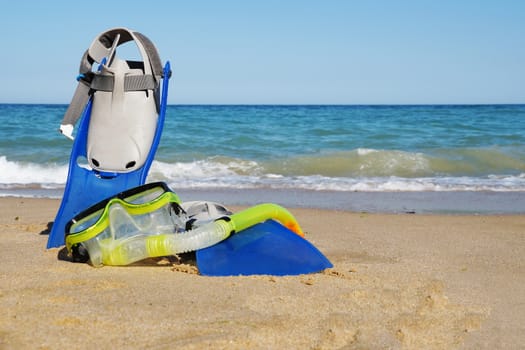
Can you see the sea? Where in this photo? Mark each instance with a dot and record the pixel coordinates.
(377, 158)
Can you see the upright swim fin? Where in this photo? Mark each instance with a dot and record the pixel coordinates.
(267, 248)
(122, 109)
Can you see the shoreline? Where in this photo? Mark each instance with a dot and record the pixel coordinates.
(412, 202)
(466, 202)
(399, 281)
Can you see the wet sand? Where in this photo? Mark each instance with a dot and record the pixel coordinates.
(399, 281)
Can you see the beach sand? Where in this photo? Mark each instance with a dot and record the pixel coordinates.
(407, 281)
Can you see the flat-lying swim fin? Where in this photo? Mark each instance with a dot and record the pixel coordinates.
(121, 109)
(267, 248)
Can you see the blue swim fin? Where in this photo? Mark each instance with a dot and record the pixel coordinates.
(85, 187)
(118, 133)
(267, 248)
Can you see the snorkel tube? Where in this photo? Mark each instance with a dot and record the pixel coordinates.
(262, 212)
(116, 252)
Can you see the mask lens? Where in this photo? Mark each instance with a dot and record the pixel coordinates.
(86, 222)
(90, 219)
(146, 196)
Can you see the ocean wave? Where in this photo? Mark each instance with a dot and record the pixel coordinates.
(24, 174)
(364, 162)
(229, 173)
(356, 170)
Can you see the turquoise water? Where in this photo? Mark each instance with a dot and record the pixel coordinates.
(338, 148)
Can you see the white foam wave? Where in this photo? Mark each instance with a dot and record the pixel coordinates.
(394, 184)
(210, 169)
(206, 174)
(366, 151)
(242, 174)
(15, 173)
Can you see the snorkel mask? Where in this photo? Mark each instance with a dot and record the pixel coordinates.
(148, 221)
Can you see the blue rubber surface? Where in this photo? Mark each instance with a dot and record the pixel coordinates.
(264, 249)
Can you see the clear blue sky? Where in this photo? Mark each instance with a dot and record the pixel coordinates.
(281, 51)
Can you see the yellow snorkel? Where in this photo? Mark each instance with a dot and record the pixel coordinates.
(262, 212)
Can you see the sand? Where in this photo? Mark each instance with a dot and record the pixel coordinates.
(400, 281)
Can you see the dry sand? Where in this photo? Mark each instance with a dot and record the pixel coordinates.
(399, 281)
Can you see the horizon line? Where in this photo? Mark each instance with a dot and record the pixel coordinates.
(298, 104)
